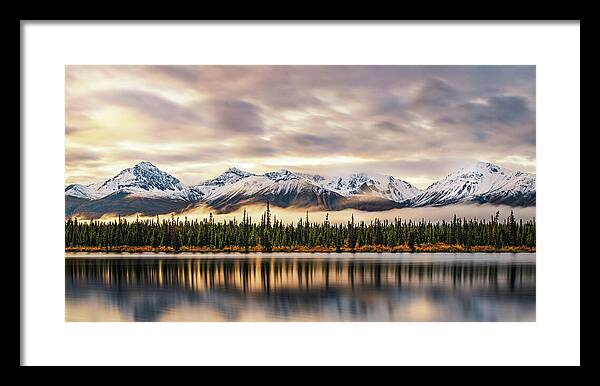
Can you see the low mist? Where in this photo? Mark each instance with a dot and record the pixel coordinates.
(484, 211)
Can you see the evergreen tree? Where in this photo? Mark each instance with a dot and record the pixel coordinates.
(272, 232)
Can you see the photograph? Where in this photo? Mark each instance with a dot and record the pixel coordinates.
(300, 193)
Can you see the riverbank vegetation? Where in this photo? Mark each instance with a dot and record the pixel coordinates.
(269, 234)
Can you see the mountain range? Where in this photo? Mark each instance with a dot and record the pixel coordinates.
(146, 189)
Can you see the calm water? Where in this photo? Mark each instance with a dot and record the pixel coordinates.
(300, 287)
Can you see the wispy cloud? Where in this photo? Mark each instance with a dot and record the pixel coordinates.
(414, 122)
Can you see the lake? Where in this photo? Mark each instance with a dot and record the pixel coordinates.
(318, 287)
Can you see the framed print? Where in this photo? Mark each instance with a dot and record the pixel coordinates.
(300, 193)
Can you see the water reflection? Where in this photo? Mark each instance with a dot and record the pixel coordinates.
(326, 288)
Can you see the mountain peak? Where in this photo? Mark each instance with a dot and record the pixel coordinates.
(362, 183)
(473, 184)
(145, 164)
(281, 174)
(229, 176)
(480, 182)
(143, 177)
(235, 170)
(487, 166)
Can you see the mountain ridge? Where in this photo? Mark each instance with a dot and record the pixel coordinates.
(144, 186)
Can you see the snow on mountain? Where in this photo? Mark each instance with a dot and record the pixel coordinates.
(377, 185)
(315, 178)
(520, 183)
(483, 182)
(235, 182)
(229, 176)
(142, 180)
(473, 184)
(285, 181)
(78, 190)
(249, 185)
(282, 175)
(208, 187)
(282, 187)
(518, 190)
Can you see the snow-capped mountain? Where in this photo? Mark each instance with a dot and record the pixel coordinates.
(377, 185)
(144, 180)
(206, 188)
(482, 182)
(146, 189)
(229, 176)
(519, 190)
(315, 178)
(79, 191)
(282, 188)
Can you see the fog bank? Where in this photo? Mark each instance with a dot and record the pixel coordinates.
(288, 215)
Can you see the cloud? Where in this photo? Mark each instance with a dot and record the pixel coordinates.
(152, 105)
(78, 156)
(307, 142)
(502, 109)
(409, 121)
(389, 127)
(234, 116)
(186, 74)
(435, 93)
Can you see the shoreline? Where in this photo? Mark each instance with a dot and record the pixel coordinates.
(436, 248)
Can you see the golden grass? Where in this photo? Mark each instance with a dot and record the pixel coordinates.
(431, 248)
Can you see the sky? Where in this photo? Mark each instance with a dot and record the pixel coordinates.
(417, 123)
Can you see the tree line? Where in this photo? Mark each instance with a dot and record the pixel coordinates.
(267, 233)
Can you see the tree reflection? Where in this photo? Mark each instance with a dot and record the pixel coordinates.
(147, 287)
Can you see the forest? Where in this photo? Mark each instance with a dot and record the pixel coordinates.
(269, 234)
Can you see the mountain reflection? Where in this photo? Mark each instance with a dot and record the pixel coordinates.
(294, 289)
